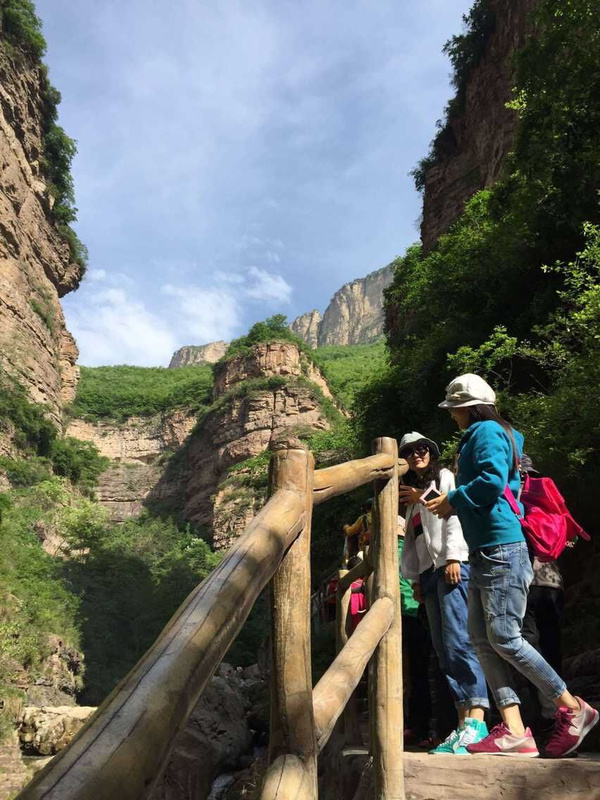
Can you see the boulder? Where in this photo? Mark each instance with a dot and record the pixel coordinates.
(215, 740)
(47, 730)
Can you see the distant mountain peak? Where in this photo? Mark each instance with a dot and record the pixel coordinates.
(354, 315)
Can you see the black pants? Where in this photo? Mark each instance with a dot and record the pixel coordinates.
(416, 645)
(429, 709)
(541, 624)
(541, 628)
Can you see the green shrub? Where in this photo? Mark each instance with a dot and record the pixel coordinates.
(34, 601)
(26, 472)
(121, 392)
(21, 26)
(78, 461)
(33, 433)
(43, 308)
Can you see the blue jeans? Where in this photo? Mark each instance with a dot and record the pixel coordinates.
(446, 608)
(500, 578)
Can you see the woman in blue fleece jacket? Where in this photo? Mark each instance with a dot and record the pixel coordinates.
(488, 461)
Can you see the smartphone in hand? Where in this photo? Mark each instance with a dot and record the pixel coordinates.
(429, 494)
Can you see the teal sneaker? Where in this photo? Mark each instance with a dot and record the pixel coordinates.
(473, 731)
(447, 746)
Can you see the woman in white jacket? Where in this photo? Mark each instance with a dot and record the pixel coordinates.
(435, 558)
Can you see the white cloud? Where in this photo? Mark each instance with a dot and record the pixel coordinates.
(267, 286)
(206, 315)
(96, 275)
(113, 328)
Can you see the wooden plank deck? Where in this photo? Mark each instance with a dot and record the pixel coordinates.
(499, 778)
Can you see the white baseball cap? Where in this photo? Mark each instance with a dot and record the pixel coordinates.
(414, 438)
(468, 390)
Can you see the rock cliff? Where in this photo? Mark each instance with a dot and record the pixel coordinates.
(35, 263)
(354, 315)
(482, 136)
(174, 464)
(198, 355)
(306, 327)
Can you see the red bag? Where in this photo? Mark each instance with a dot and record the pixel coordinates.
(548, 525)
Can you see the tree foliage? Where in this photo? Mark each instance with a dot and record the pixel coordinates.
(510, 290)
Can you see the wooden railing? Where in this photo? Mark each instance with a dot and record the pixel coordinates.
(123, 750)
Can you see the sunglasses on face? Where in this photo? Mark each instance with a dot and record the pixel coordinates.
(420, 450)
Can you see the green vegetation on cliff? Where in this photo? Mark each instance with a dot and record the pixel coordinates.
(465, 51)
(41, 451)
(348, 368)
(120, 392)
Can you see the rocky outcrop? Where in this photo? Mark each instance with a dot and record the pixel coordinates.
(47, 730)
(306, 327)
(35, 263)
(198, 355)
(266, 361)
(482, 136)
(354, 315)
(243, 427)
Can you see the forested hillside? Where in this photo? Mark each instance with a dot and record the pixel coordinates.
(512, 290)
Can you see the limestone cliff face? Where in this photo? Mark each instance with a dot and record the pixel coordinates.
(306, 327)
(354, 315)
(483, 135)
(136, 449)
(35, 264)
(198, 355)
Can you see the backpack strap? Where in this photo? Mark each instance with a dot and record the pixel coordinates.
(510, 498)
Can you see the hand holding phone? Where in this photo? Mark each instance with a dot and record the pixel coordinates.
(430, 494)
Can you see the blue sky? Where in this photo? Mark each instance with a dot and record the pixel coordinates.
(238, 159)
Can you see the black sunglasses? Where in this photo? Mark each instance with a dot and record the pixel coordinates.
(419, 450)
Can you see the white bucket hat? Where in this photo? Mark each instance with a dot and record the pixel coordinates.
(468, 390)
(414, 438)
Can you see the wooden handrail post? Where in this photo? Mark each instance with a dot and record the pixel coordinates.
(292, 746)
(386, 708)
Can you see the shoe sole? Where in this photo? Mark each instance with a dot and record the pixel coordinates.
(586, 729)
(509, 755)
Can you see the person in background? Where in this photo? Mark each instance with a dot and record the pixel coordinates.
(542, 629)
(436, 560)
(416, 648)
(360, 531)
(358, 600)
(488, 462)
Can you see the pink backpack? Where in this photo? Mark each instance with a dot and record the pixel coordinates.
(548, 525)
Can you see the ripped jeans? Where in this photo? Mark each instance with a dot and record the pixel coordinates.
(500, 578)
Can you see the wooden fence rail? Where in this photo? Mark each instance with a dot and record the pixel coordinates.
(123, 750)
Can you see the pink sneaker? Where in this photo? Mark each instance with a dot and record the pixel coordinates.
(501, 742)
(570, 729)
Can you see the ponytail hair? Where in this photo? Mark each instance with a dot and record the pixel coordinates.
(482, 412)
